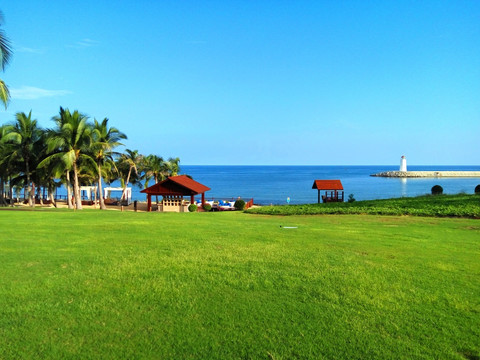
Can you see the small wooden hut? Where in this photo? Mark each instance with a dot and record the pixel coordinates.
(332, 190)
(173, 189)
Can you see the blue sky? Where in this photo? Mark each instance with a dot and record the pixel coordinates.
(258, 82)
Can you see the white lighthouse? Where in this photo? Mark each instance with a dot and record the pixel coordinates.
(403, 163)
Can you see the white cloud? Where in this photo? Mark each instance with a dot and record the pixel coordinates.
(84, 43)
(88, 42)
(30, 50)
(32, 93)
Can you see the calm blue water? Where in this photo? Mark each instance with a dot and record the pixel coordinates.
(273, 184)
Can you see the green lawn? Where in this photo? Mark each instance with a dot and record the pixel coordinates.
(92, 284)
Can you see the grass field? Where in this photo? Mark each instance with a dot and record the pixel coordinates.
(91, 284)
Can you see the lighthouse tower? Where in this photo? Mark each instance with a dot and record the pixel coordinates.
(403, 163)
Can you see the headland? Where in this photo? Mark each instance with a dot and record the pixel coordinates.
(427, 174)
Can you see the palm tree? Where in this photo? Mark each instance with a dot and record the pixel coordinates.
(25, 135)
(105, 139)
(131, 159)
(154, 167)
(5, 54)
(173, 166)
(10, 166)
(70, 142)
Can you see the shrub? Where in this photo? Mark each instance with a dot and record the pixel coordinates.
(207, 207)
(437, 190)
(351, 198)
(239, 204)
(192, 207)
(477, 189)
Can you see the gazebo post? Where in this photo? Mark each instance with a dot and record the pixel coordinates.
(203, 198)
(192, 199)
(149, 202)
(319, 196)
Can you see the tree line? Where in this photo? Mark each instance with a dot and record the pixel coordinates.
(73, 153)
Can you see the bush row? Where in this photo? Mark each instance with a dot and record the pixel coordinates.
(467, 206)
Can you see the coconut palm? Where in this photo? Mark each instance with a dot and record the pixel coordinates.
(24, 135)
(10, 166)
(154, 167)
(173, 166)
(131, 159)
(105, 139)
(70, 142)
(5, 54)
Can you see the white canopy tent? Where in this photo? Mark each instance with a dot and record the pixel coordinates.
(107, 193)
(87, 192)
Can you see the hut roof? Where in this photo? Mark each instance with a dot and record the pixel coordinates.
(327, 185)
(176, 185)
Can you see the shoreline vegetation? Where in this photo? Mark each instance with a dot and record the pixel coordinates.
(459, 205)
(75, 152)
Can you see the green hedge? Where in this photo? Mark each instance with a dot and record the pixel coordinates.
(466, 206)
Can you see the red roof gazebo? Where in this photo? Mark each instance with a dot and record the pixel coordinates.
(331, 188)
(175, 188)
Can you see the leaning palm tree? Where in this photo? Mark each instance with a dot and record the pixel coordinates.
(105, 139)
(70, 142)
(5, 54)
(131, 159)
(24, 135)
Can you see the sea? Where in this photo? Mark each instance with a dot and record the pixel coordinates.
(293, 184)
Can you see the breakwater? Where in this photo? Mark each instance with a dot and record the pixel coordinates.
(427, 174)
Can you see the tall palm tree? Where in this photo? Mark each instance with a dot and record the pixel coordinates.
(70, 142)
(131, 159)
(5, 54)
(25, 134)
(105, 139)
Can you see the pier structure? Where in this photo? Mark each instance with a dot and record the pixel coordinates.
(427, 174)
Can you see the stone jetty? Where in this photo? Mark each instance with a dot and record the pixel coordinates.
(427, 174)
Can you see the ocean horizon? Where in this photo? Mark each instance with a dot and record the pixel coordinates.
(274, 184)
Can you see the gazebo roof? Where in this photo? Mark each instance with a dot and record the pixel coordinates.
(176, 185)
(327, 185)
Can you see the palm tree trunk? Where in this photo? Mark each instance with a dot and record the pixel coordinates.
(126, 185)
(100, 190)
(10, 191)
(40, 195)
(51, 190)
(156, 182)
(30, 190)
(2, 190)
(69, 191)
(76, 188)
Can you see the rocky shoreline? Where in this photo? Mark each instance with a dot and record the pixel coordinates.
(425, 174)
